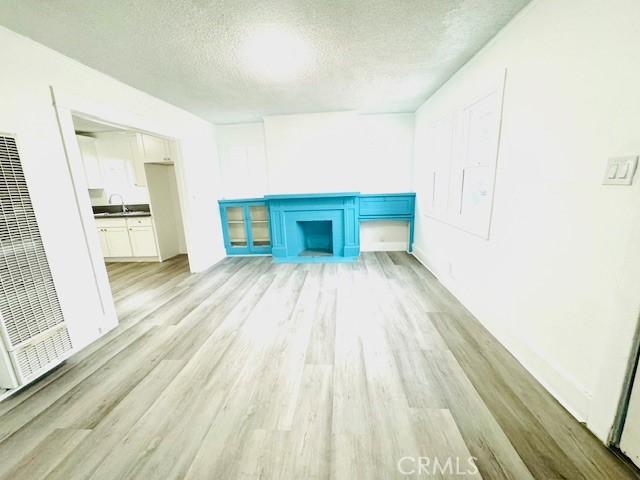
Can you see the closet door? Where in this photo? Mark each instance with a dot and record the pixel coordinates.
(630, 442)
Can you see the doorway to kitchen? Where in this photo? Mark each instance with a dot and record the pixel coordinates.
(133, 191)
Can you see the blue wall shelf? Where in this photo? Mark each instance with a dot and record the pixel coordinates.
(316, 227)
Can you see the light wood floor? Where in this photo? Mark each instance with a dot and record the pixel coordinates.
(255, 370)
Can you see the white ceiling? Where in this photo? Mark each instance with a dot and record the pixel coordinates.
(367, 55)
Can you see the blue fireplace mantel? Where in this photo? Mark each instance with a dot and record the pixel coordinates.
(289, 212)
(314, 227)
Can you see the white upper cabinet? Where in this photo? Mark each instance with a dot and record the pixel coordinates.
(149, 149)
(90, 162)
(122, 155)
(139, 176)
(154, 149)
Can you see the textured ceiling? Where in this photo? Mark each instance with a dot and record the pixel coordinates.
(367, 55)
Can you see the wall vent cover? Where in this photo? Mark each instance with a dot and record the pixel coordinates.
(29, 305)
(34, 358)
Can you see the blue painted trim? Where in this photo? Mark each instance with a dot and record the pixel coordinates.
(241, 200)
(369, 218)
(311, 195)
(408, 194)
(247, 226)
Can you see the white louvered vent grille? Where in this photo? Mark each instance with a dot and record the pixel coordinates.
(28, 300)
(32, 359)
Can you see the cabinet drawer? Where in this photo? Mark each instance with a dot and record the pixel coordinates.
(386, 206)
(111, 222)
(139, 222)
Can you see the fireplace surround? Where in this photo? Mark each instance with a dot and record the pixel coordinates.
(314, 227)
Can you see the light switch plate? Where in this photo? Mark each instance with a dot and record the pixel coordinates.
(620, 170)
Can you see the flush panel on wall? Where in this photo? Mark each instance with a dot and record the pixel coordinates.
(456, 174)
(437, 175)
(479, 136)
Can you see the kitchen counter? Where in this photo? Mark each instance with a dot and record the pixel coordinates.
(115, 211)
(121, 215)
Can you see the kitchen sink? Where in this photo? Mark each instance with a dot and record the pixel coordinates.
(121, 214)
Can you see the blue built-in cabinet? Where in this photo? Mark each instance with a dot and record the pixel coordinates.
(321, 227)
(389, 206)
(245, 226)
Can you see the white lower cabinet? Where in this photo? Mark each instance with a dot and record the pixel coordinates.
(127, 237)
(104, 243)
(143, 241)
(118, 242)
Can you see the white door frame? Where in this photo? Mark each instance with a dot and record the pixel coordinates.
(65, 107)
(623, 407)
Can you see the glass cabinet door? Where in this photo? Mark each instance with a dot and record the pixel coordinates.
(259, 216)
(236, 226)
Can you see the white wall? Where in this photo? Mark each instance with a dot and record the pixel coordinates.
(243, 161)
(313, 153)
(320, 152)
(26, 110)
(385, 159)
(557, 280)
(165, 209)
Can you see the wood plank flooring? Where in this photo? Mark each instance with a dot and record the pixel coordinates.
(254, 370)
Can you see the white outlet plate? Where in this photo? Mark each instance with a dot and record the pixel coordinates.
(620, 170)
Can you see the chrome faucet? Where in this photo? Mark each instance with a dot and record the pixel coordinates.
(124, 209)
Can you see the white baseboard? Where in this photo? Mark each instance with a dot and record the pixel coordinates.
(565, 389)
(572, 396)
(130, 259)
(422, 258)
